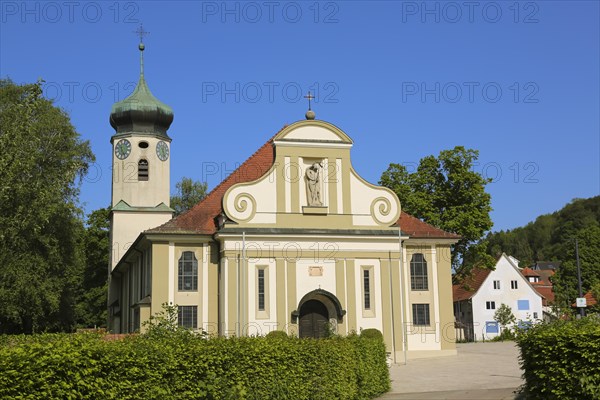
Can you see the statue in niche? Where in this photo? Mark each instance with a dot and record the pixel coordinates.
(313, 185)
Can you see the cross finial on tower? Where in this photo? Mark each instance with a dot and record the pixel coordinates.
(309, 97)
(141, 33)
(310, 114)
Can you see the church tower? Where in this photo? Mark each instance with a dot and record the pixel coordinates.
(140, 165)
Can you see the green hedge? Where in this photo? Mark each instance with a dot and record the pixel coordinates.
(561, 360)
(84, 366)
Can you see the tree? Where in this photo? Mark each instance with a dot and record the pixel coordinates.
(447, 193)
(549, 237)
(188, 194)
(91, 309)
(504, 316)
(42, 162)
(565, 281)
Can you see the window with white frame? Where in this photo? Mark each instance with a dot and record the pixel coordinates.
(187, 316)
(261, 289)
(367, 289)
(490, 305)
(514, 285)
(261, 277)
(188, 272)
(418, 272)
(367, 276)
(496, 285)
(420, 314)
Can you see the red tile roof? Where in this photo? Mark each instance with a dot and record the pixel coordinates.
(200, 219)
(545, 276)
(414, 227)
(470, 285)
(529, 272)
(547, 293)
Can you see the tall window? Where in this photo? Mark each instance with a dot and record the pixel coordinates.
(418, 272)
(261, 290)
(367, 288)
(143, 170)
(188, 272)
(514, 285)
(420, 314)
(496, 284)
(187, 316)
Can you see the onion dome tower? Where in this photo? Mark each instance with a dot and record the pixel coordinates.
(141, 112)
(140, 164)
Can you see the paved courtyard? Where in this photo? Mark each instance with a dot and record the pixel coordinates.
(480, 371)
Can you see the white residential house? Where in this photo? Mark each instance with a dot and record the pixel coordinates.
(478, 297)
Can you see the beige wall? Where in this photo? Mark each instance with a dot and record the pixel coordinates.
(160, 276)
(279, 197)
(125, 184)
(127, 226)
(445, 290)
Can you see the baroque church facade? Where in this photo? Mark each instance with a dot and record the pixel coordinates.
(293, 240)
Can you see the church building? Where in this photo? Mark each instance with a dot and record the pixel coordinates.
(293, 240)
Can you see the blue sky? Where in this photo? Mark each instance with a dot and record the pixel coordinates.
(518, 81)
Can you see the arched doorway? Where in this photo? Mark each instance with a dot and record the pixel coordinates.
(313, 320)
(315, 311)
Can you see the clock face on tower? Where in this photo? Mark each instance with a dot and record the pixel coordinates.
(162, 150)
(122, 149)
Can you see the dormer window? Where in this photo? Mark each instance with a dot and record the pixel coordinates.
(143, 170)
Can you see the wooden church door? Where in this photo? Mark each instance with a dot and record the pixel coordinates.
(313, 319)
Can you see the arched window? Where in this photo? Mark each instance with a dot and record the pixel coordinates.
(418, 272)
(143, 170)
(188, 272)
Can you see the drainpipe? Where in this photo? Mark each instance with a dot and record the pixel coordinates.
(392, 309)
(402, 306)
(241, 288)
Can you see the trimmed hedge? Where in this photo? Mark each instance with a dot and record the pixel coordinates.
(84, 366)
(277, 335)
(561, 360)
(372, 333)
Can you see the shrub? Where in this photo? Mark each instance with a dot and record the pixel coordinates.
(371, 333)
(277, 334)
(84, 366)
(561, 359)
(506, 334)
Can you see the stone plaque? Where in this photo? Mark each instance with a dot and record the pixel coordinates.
(315, 271)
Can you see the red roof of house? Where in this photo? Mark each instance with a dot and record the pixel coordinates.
(470, 284)
(414, 227)
(200, 219)
(547, 293)
(529, 272)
